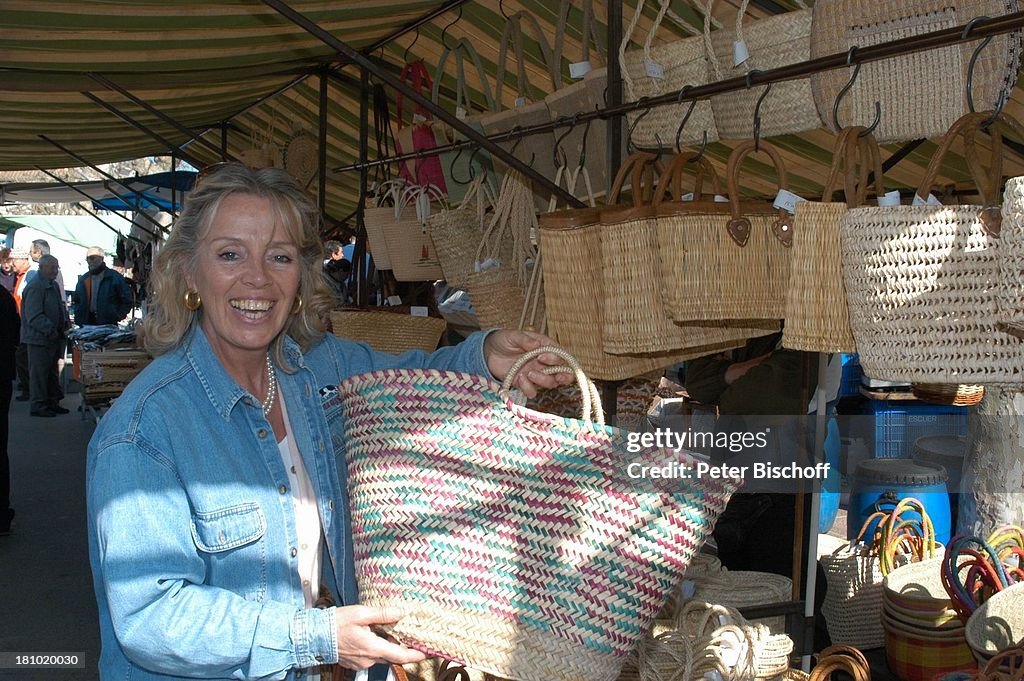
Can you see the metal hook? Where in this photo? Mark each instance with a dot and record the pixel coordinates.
(586, 135)
(846, 88)
(558, 141)
(405, 56)
(501, 8)
(451, 167)
(757, 111)
(686, 116)
(974, 59)
(700, 152)
(444, 31)
(629, 137)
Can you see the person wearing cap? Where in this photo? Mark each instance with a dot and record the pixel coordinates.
(102, 296)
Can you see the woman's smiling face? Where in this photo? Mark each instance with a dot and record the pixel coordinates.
(247, 273)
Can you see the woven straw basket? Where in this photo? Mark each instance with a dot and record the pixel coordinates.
(1010, 294)
(682, 62)
(711, 271)
(634, 317)
(772, 42)
(410, 250)
(817, 317)
(743, 589)
(921, 94)
(998, 623)
(456, 233)
(515, 541)
(391, 332)
(921, 283)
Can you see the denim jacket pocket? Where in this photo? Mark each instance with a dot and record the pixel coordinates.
(228, 528)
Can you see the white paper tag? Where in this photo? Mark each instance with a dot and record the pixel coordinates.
(721, 199)
(889, 199)
(739, 52)
(418, 118)
(653, 69)
(487, 264)
(688, 196)
(394, 301)
(419, 311)
(520, 101)
(931, 201)
(579, 69)
(460, 113)
(689, 588)
(786, 200)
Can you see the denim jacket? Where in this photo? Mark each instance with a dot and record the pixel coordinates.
(192, 537)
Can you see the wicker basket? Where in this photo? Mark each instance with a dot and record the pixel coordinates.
(112, 366)
(391, 332)
(410, 251)
(959, 395)
(771, 42)
(1010, 294)
(456, 233)
(998, 623)
(921, 282)
(922, 93)
(743, 589)
(463, 548)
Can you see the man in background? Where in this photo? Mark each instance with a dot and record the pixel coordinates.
(38, 249)
(102, 296)
(23, 273)
(44, 319)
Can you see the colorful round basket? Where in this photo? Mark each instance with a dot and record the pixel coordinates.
(516, 541)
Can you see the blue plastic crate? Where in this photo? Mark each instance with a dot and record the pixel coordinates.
(852, 374)
(899, 424)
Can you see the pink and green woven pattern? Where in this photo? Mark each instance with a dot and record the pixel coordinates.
(515, 540)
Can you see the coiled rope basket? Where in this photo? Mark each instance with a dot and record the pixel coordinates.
(516, 542)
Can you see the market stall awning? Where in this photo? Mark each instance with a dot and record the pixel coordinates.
(81, 230)
(159, 191)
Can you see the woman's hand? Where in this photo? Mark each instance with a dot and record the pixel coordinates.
(359, 647)
(503, 347)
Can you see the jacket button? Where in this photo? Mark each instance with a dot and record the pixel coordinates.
(261, 433)
(319, 658)
(247, 401)
(282, 489)
(295, 552)
(330, 504)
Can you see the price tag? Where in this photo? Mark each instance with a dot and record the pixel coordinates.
(688, 196)
(419, 311)
(579, 69)
(931, 201)
(460, 113)
(520, 101)
(721, 199)
(739, 52)
(418, 118)
(786, 200)
(484, 265)
(394, 301)
(654, 70)
(889, 199)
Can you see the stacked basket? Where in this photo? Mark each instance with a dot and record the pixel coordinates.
(997, 625)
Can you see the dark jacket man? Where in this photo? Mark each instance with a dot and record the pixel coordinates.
(102, 295)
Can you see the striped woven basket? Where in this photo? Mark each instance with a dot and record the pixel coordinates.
(516, 542)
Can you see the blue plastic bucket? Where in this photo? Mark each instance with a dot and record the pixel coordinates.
(879, 480)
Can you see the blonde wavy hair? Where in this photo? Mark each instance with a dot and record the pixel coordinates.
(168, 322)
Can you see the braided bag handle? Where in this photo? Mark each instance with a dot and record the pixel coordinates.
(592, 411)
(855, 666)
(911, 536)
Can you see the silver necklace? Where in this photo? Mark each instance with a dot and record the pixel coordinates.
(268, 401)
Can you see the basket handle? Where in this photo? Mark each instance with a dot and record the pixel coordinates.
(637, 166)
(850, 664)
(739, 227)
(671, 181)
(592, 410)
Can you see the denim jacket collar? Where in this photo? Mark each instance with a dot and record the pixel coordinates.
(223, 391)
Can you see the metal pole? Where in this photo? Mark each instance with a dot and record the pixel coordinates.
(105, 223)
(105, 174)
(321, 171)
(419, 99)
(359, 258)
(135, 124)
(613, 128)
(111, 85)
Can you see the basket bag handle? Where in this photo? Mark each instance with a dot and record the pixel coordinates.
(641, 168)
(739, 226)
(462, 51)
(984, 569)
(513, 34)
(829, 664)
(915, 537)
(592, 411)
(588, 33)
(415, 74)
(671, 181)
(664, 10)
(848, 160)
(1008, 542)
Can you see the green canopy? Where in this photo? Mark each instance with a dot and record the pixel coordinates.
(81, 230)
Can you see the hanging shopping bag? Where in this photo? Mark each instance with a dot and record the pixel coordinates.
(921, 94)
(660, 69)
(768, 43)
(386, 196)
(1010, 293)
(417, 134)
(456, 233)
(921, 280)
(410, 251)
(467, 532)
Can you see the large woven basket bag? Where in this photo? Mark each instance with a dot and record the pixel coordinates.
(921, 281)
(410, 251)
(516, 542)
(817, 318)
(726, 261)
(659, 69)
(456, 233)
(921, 94)
(386, 201)
(1010, 294)
(634, 319)
(771, 42)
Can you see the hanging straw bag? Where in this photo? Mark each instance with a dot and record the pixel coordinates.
(1010, 293)
(410, 250)
(483, 577)
(634, 317)
(921, 282)
(387, 330)
(921, 94)
(854, 573)
(817, 318)
(768, 43)
(387, 199)
(726, 261)
(658, 70)
(456, 233)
